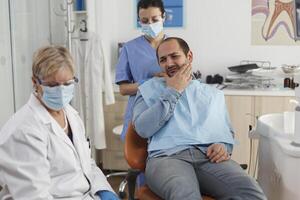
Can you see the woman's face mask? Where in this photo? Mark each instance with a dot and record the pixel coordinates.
(56, 98)
(152, 30)
(56, 90)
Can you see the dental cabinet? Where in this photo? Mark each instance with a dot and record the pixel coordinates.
(113, 155)
(244, 107)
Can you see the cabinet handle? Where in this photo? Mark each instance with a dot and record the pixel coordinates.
(250, 127)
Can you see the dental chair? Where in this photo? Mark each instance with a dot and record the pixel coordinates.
(136, 155)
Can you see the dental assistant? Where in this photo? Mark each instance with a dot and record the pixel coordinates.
(137, 61)
(43, 150)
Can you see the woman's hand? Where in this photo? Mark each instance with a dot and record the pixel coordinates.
(217, 153)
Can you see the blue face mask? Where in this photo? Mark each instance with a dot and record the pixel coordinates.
(152, 30)
(57, 97)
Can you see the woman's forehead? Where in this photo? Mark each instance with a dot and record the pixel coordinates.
(149, 12)
(62, 74)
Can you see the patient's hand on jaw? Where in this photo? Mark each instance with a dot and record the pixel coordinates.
(181, 78)
(217, 153)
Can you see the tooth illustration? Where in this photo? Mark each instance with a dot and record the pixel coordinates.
(279, 10)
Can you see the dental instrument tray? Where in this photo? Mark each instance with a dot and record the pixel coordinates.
(243, 68)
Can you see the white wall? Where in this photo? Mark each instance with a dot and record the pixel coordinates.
(218, 32)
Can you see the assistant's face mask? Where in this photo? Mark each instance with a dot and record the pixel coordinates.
(57, 97)
(152, 30)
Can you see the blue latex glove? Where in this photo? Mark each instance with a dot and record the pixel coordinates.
(107, 195)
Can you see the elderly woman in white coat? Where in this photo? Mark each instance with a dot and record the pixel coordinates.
(43, 150)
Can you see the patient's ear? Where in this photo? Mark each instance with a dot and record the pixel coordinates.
(190, 56)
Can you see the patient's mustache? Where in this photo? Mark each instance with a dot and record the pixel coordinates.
(171, 70)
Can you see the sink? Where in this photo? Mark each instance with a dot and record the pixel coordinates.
(278, 159)
(277, 124)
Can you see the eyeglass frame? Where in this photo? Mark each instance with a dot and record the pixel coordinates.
(67, 83)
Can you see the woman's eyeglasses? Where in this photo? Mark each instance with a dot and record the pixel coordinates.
(54, 84)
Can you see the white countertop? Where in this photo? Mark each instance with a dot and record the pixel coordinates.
(259, 92)
(285, 92)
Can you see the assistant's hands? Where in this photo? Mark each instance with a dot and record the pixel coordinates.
(217, 153)
(181, 79)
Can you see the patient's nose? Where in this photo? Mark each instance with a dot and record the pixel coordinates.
(169, 61)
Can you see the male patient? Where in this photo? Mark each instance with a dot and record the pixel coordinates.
(189, 134)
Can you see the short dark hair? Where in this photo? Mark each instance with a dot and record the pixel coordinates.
(144, 4)
(182, 44)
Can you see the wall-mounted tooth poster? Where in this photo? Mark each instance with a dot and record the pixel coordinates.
(275, 22)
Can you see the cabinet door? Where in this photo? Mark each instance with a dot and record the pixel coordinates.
(241, 109)
(6, 82)
(113, 155)
(265, 105)
(30, 30)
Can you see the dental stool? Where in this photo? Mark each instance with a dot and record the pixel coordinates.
(136, 155)
(121, 192)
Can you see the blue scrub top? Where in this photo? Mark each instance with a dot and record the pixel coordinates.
(137, 63)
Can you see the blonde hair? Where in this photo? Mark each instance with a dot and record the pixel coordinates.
(48, 60)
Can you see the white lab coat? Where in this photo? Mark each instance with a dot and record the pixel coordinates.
(94, 79)
(39, 161)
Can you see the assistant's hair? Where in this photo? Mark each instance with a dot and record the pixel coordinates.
(144, 4)
(49, 59)
(182, 44)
